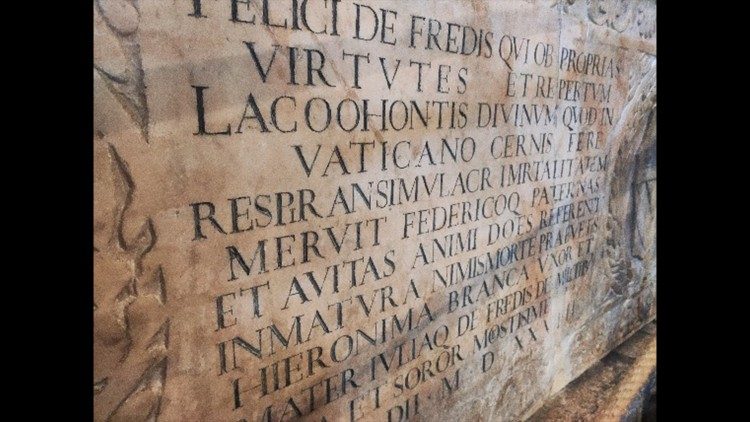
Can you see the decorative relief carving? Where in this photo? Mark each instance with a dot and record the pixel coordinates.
(646, 24)
(131, 332)
(615, 14)
(625, 298)
(619, 15)
(127, 83)
(619, 266)
(635, 142)
(126, 342)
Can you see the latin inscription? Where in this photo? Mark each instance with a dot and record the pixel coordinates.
(415, 204)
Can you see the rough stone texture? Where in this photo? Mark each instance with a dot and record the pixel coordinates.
(178, 332)
(615, 388)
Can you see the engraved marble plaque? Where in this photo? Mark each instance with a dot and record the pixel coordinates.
(367, 210)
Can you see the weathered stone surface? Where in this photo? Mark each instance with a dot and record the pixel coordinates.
(617, 388)
(299, 215)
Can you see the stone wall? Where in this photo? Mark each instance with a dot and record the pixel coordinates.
(367, 210)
